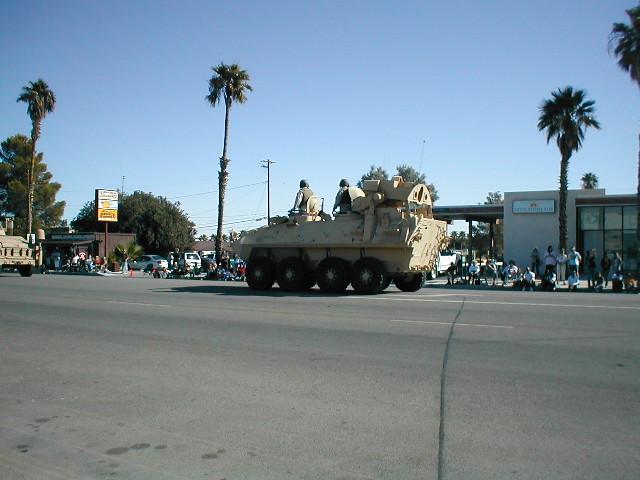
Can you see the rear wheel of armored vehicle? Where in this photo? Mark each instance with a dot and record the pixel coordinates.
(24, 270)
(260, 274)
(291, 274)
(367, 276)
(332, 275)
(410, 282)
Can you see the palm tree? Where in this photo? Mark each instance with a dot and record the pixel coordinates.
(624, 41)
(566, 116)
(40, 100)
(589, 181)
(230, 83)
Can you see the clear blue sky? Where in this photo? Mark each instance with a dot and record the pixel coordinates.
(451, 88)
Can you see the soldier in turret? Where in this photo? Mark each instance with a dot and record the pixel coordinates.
(302, 197)
(343, 199)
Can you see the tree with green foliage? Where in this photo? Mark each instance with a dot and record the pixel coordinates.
(40, 100)
(15, 168)
(624, 42)
(565, 117)
(589, 181)
(231, 84)
(408, 174)
(127, 252)
(160, 226)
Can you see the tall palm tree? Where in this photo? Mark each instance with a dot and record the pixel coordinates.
(40, 100)
(589, 181)
(565, 117)
(624, 41)
(230, 83)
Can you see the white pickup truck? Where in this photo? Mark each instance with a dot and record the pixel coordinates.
(446, 257)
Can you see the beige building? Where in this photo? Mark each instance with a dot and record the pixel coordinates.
(594, 220)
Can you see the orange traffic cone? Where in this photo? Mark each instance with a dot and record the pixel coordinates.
(131, 274)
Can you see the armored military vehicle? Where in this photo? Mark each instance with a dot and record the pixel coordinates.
(16, 252)
(389, 235)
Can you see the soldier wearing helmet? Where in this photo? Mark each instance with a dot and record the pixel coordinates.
(343, 199)
(302, 197)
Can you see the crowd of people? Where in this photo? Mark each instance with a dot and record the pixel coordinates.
(74, 262)
(560, 269)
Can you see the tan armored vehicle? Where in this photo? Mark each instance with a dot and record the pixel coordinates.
(389, 235)
(16, 252)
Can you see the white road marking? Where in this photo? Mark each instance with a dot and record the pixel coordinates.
(134, 303)
(457, 324)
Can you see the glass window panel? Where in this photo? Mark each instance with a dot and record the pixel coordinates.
(629, 255)
(613, 241)
(592, 239)
(613, 218)
(630, 220)
(591, 218)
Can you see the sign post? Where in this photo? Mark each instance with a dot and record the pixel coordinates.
(106, 211)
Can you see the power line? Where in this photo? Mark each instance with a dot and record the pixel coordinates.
(216, 191)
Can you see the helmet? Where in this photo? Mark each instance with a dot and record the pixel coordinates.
(344, 182)
(304, 183)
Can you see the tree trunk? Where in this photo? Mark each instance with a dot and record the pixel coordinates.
(223, 177)
(31, 178)
(562, 207)
(638, 221)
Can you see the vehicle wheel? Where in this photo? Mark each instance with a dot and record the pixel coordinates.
(260, 274)
(367, 276)
(432, 274)
(410, 282)
(291, 274)
(332, 275)
(387, 282)
(24, 270)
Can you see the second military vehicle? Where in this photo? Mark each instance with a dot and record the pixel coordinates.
(389, 235)
(16, 252)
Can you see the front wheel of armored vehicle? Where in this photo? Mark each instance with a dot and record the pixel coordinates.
(367, 276)
(260, 274)
(291, 274)
(410, 282)
(332, 275)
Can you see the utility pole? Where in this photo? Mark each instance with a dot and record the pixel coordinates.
(268, 165)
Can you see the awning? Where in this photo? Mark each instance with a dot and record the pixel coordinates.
(66, 243)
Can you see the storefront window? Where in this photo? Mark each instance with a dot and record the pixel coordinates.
(629, 255)
(613, 241)
(630, 219)
(591, 218)
(613, 218)
(593, 240)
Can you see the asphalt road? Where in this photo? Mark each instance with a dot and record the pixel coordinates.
(140, 378)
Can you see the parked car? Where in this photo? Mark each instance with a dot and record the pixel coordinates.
(208, 262)
(151, 261)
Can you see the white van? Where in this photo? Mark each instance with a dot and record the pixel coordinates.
(190, 258)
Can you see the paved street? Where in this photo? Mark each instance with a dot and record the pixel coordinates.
(141, 378)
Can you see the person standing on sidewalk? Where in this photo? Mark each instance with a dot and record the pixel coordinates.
(574, 261)
(561, 266)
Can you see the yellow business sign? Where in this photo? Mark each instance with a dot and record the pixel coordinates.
(107, 205)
